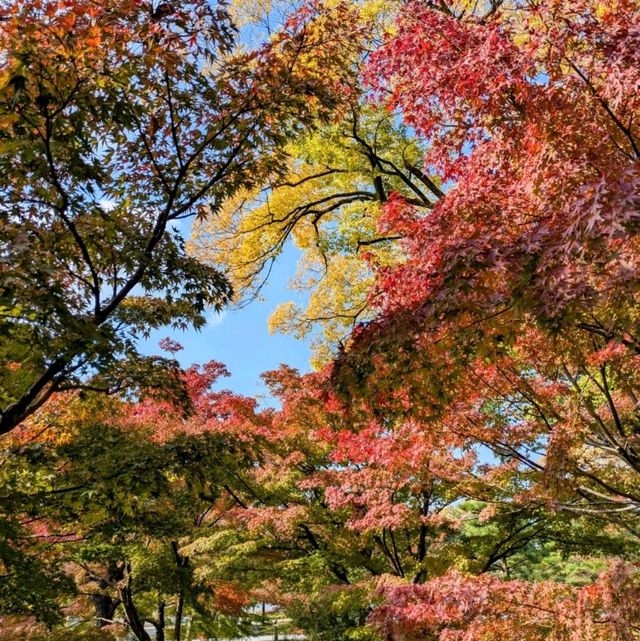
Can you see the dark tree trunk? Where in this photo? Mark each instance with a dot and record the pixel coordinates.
(105, 607)
(181, 562)
(131, 612)
(160, 624)
(105, 603)
(177, 627)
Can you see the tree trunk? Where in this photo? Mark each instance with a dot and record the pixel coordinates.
(181, 562)
(160, 625)
(105, 604)
(177, 628)
(105, 608)
(131, 612)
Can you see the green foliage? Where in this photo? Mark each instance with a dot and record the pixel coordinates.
(334, 614)
(116, 125)
(31, 584)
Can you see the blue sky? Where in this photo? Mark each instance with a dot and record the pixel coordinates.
(240, 338)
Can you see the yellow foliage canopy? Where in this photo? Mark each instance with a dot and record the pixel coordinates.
(329, 206)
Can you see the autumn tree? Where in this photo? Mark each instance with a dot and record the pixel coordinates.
(328, 204)
(105, 498)
(118, 121)
(505, 317)
(342, 508)
(513, 317)
(468, 468)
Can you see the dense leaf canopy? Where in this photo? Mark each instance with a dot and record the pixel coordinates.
(461, 179)
(117, 121)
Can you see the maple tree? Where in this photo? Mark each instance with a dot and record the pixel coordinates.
(456, 607)
(118, 121)
(518, 287)
(467, 468)
(341, 504)
(328, 203)
(513, 317)
(107, 494)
